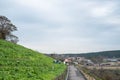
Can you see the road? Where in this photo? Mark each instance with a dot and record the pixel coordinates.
(74, 74)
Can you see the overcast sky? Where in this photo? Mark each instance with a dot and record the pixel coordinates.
(65, 26)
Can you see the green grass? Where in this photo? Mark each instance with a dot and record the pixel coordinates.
(20, 63)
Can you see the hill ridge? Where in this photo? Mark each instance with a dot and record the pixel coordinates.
(109, 54)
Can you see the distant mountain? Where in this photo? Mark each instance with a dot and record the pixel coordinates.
(109, 54)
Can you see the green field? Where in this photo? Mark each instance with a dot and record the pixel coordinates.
(20, 63)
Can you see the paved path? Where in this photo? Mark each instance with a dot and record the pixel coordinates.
(74, 73)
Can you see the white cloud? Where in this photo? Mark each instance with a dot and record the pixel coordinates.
(103, 10)
(66, 25)
(47, 10)
(115, 20)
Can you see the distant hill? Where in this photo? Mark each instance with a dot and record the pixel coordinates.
(20, 63)
(109, 54)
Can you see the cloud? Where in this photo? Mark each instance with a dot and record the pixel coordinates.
(65, 25)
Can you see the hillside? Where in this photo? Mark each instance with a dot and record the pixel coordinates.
(20, 63)
(109, 54)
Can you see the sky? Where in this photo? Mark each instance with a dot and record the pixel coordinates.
(65, 26)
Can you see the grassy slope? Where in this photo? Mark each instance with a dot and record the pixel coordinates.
(20, 63)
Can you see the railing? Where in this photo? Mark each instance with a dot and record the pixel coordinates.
(88, 77)
(62, 76)
(67, 76)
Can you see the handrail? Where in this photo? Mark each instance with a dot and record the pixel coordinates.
(67, 73)
(86, 76)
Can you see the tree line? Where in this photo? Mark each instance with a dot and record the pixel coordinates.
(6, 29)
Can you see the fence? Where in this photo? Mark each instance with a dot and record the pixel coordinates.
(88, 77)
(62, 76)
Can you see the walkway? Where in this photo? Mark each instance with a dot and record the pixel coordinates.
(74, 74)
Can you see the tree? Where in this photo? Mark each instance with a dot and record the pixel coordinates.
(6, 29)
